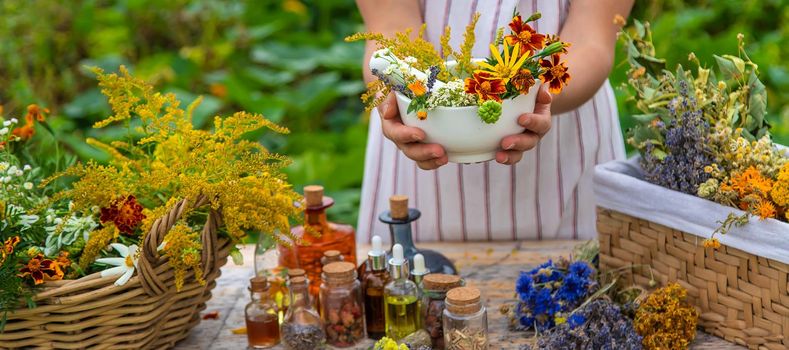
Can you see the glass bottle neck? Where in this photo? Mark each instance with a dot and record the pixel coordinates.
(401, 234)
(300, 295)
(316, 219)
(258, 296)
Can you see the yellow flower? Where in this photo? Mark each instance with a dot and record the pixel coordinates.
(666, 320)
(506, 67)
(765, 209)
(712, 243)
(422, 115)
(417, 88)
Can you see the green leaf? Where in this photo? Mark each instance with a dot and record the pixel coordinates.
(727, 68)
(236, 255)
(659, 154)
(645, 118)
(738, 63)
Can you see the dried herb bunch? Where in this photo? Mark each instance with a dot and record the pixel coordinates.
(666, 320)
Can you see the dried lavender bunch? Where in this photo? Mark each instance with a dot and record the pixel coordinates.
(598, 325)
(679, 162)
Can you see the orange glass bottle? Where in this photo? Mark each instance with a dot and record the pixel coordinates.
(330, 236)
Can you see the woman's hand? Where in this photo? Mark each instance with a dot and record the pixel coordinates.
(428, 156)
(537, 125)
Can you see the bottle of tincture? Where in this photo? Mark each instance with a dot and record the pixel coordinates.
(318, 235)
(302, 328)
(373, 283)
(399, 218)
(400, 298)
(420, 271)
(261, 316)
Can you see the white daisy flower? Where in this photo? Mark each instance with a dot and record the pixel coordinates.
(28, 185)
(3, 131)
(7, 123)
(27, 167)
(124, 266)
(14, 121)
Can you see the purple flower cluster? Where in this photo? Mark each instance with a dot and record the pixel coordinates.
(687, 147)
(598, 325)
(549, 290)
(393, 85)
(431, 78)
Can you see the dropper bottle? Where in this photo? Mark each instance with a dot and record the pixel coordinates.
(374, 281)
(401, 298)
(420, 271)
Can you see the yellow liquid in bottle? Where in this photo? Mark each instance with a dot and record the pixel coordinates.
(402, 315)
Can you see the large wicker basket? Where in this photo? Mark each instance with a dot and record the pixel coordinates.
(145, 313)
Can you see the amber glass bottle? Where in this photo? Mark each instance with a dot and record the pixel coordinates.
(261, 316)
(330, 236)
(374, 280)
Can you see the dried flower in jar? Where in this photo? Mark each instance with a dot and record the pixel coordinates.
(345, 325)
(467, 339)
(302, 337)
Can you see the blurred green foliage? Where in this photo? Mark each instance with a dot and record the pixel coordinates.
(286, 59)
(283, 59)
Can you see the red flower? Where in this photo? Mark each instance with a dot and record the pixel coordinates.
(555, 74)
(41, 269)
(522, 81)
(485, 86)
(523, 33)
(126, 214)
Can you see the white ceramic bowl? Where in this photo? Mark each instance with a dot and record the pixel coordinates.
(464, 136)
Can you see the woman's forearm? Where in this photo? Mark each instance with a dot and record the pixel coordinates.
(591, 29)
(387, 17)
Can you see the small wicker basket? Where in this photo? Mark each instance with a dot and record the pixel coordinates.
(145, 313)
(741, 297)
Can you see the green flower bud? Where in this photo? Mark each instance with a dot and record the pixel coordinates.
(489, 111)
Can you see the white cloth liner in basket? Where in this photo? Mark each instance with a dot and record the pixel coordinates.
(619, 186)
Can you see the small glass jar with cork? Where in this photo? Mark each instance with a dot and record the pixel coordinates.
(434, 292)
(465, 320)
(261, 315)
(302, 328)
(342, 305)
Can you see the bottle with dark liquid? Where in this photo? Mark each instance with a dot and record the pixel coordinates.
(373, 282)
(261, 316)
(318, 235)
(399, 218)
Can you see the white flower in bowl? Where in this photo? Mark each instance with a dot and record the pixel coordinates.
(124, 266)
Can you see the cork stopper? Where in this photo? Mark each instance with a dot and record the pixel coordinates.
(313, 195)
(298, 280)
(293, 273)
(463, 301)
(332, 255)
(441, 282)
(398, 207)
(258, 284)
(339, 272)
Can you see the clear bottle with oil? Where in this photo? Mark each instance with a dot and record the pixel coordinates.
(401, 298)
(261, 316)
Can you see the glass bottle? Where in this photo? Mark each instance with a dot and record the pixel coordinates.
(400, 298)
(434, 291)
(267, 265)
(318, 235)
(399, 218)
(331, 256)
(465, 320)
(302, 328)
(419, 271)
(373, 283)
(342, 305)
(261, 316)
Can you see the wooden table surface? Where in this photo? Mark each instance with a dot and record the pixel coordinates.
(491, 267)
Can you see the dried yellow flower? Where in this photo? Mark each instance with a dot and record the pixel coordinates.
(666, 320)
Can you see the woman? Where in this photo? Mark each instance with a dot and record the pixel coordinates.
(540, 185)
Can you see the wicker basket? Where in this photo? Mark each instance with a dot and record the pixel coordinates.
(741, 297)
(145, 313)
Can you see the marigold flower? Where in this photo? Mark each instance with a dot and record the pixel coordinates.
(126, 214)
(35, 112)
(41, 269)
(63, 260)
(422, 115)
(524, 34)
(522, 81)
(555, 75)
(485, 86)
(417, 88)
(8, 247)
(24, 132)
(765, 209)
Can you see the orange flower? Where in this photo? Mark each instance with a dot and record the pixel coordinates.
(8, 248)
(63, 260)
(422, 115)
(35, 112)
(24, 132)
(551, 38)
(713, 243)
(555, 75)
(126, 214)
(522, 81)
(417, 88)
(765, 209)
(523, 33)
(485, 87)
(41, 269)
